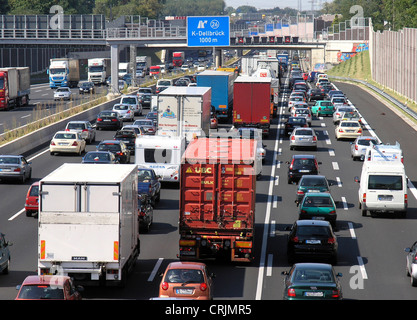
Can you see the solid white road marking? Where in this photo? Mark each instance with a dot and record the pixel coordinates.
(269, 268)
(155, 269)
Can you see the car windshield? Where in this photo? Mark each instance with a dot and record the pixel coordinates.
(151, 115)
(93, 156)
(317, 201)
(312, 275)
(9, 160)
(313, 231)
(65, 136)
(109, 147)
(184, 275)
(315, 182)
(41, 291)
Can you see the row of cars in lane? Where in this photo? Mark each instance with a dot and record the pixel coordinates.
(312, 247)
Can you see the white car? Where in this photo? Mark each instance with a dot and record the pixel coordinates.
(67, 142)
(348, 129)
(125, 110)
(63, 93)
(133, 101)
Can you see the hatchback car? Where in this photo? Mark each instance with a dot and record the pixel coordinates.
(144, 90)
(147, 124)
(318, 206)
(189, 280)
(312, 281)
(48, 287)
(411, 264)
(338, 112)
(348, 129)
(311, 183)
(32, 200)
(5, 256)
(303, 138)
(85, 128)
(323, 108)
(125, 110)
(14, 167)
(153, 115)
(118, 148)
(87, 87)
(294, 122)
(128, 136)
(315, 94)
(134, 102)
(67, 142)
(303, 112)
(294, 100)
(63, 93)
(360, 145)
(145, 100)
(109, 119)
(309, 239)
(302, 165)
(99, 157)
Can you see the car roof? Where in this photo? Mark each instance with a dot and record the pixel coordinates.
(317, 194)
(12, 155)
(44, 279)
(303, 156)
(110, 141)
(311, 176)
(316, 265)
(186, 264)
(312, 223)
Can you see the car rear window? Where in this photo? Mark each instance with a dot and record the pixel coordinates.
(184, 275)
(34, 191)
(97, 157)
(303, 163)
(313, 230)
(76, 126)
(109, 147)
(385, 182)
(317, 201)
(315, 182)
(65, 136)
(366, 142)
(10, 160)
(350, 124)
(303, 132)
(129, 100)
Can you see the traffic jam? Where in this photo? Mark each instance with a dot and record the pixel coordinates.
(206, 136)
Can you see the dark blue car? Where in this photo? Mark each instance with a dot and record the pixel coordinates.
(148, 183)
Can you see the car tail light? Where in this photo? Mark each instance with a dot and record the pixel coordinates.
(332, 212)
(164, 285)
(99, 119)
(85, 130)
(119, 153)
(294, 239)
(405, 199)
(203, 287)
(314, 138)
(114, 120)
(67, 129)
(291, 292)
(331, 240)
(74, 144)
(52, 143)
(303, 211)
(335, 294)
(17, 170)
(299, 192)
(356, 147)
(293, 138)
(364, 197)
(360, 131)
(340, 130)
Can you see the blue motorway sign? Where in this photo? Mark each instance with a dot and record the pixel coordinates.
(208, 31)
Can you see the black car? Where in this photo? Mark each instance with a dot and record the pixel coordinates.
(316, 94)
(109, 119)
(145, 212)
(87, 87)
(301, 165)
(295, 122)
(311, 239)
(145, 100)
(153, 115)
(117, 147)
(128, 136)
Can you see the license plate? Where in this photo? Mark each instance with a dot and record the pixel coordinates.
(184, 291)
(62, 143)
(350, 130)
(313, 294)
(313, 241)
(106, 120)
(304, 170)
(384, 198)
(313, 190)
(317, 218)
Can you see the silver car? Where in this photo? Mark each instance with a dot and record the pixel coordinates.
(15, 168)
(84, 128)
(63, 93)
(132, 100)
(4, 254)
(147, 125)
(360, 145)
(303, 137)
(340, 110)
(125, 110)
(305, 113)
(411, 264)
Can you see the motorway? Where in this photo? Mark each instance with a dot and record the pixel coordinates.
(371, 249)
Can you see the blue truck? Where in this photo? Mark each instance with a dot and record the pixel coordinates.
(283, 59)
(221, 83)
(63, 72)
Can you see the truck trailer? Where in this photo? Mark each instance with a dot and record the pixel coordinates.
(217, 200)
(184, 111)
(252, 103)
(221, 84)
(88, 223)
(64, 72)
(99, 69)
(14, 87)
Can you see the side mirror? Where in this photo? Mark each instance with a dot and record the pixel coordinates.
(407, 250)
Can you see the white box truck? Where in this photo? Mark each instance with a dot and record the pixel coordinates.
(143, 63)
(99, 69)
(124, 68)
(383, 187)
(384, 152)
(64, 72)
(88, 223)
(161, 153)
(184, 111)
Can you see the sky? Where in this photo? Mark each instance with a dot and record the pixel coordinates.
(270, 4)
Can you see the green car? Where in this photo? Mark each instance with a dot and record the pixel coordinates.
(318, 206)
(323, 107)
(312, 281)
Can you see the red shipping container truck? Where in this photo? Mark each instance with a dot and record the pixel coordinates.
(217, 199)
(14, 87)
(252, 102)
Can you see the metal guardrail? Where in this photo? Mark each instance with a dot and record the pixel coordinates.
(400, 105)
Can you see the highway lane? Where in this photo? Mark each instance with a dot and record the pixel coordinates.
(364, 237)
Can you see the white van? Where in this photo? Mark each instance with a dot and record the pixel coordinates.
(383, 187)
(384, 152)
(162, 154)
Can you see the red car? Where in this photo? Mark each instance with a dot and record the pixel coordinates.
(48, 288)
(32, 199)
